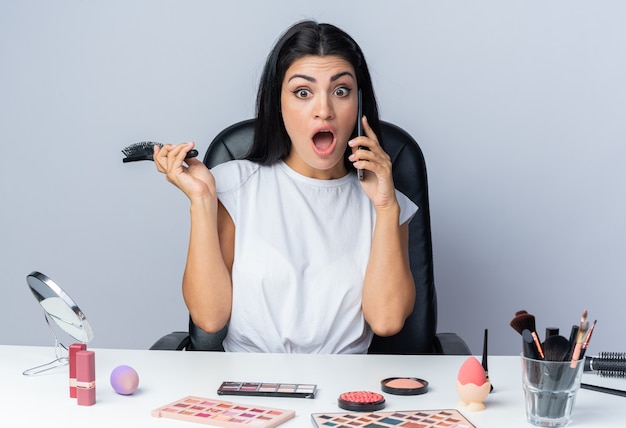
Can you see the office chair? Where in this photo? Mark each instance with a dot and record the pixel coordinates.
(419, 334)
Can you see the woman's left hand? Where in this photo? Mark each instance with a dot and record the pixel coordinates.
(368, 155)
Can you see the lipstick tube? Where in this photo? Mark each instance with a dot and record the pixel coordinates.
(86, 378)
(74, 348)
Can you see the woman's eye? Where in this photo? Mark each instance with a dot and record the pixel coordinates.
(342, 92)
(302, 93)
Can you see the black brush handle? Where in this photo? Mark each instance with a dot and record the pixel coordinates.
(484, 361)
(529, 348)
(604, 389)
(572, 342)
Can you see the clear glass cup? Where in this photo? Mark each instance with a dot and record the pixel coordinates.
(550, 389)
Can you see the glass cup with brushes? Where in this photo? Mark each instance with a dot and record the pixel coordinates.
(552, 370)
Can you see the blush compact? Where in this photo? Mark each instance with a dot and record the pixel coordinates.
(404, 386)
(361, 401)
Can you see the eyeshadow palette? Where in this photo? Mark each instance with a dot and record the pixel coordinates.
(401, 419)
(268, 389)
(222, 413)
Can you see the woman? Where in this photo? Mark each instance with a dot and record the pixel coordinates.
(288, 247)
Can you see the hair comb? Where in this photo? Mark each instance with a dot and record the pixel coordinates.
(607, 364)
(145, 151)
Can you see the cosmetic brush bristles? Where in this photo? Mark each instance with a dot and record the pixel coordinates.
(587, 339)
(556, 348)
(523, 321)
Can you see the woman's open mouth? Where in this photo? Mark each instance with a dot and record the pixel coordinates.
(324, 142)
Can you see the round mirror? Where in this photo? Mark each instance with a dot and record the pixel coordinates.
(62, 314)
(59, 307)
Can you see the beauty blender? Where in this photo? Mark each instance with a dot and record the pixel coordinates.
(472, 384)
(472, 372)
(124, 380)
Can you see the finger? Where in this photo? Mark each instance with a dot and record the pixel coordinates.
(193, 161)
(368, 141)
(369, 132)
(158, 157)
(178, 153)
(376, 160)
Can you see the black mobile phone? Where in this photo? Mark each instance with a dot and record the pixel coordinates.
(359, 128)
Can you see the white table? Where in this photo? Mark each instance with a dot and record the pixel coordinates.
(166, 376)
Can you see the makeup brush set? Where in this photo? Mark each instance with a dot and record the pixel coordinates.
(556, 347)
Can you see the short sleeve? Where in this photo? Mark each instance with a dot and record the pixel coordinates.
(407, 207)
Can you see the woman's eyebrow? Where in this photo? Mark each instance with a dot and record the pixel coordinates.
(313, 80)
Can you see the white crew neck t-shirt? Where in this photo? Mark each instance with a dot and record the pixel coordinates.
(301, 249)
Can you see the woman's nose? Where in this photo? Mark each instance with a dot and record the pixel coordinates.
(324, 108)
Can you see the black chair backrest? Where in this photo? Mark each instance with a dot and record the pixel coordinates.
(409, 174)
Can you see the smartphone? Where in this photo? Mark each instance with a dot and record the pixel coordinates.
(359, 128)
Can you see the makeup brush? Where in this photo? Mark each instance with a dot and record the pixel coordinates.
(529, 346)
(587, 339)
(556, 348)
(538, 344)
(551, 331)
(572, 341)
(484, 362)
(523, 321)
(580, 338)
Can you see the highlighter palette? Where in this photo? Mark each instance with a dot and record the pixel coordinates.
(223, 413)
(401, 419)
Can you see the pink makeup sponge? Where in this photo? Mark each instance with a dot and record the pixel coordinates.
(124, 380)
(472, 385)
(472, 372)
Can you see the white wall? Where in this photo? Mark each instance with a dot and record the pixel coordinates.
(519, 107)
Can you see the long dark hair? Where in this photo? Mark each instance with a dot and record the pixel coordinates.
(271, 141)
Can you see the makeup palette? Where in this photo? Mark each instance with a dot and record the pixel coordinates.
(402, 419)
(361, 401)
(222, 413)
(404, 386)
(296, 390)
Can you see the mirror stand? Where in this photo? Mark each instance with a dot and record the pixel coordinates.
(68, 319)
(60, 350)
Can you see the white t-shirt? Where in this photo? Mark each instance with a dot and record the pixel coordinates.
(301, 249)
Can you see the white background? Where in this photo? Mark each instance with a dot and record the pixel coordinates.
(519, 107)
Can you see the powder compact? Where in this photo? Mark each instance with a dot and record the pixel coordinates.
(404, 386)
(361, 401)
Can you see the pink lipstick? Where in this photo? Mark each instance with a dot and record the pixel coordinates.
(86, 378)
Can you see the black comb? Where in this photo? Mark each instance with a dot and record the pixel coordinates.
(145, 151)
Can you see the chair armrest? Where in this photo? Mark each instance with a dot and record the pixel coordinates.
(451, 344)
(175, 341)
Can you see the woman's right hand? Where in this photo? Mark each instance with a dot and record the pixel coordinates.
(194, 178)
